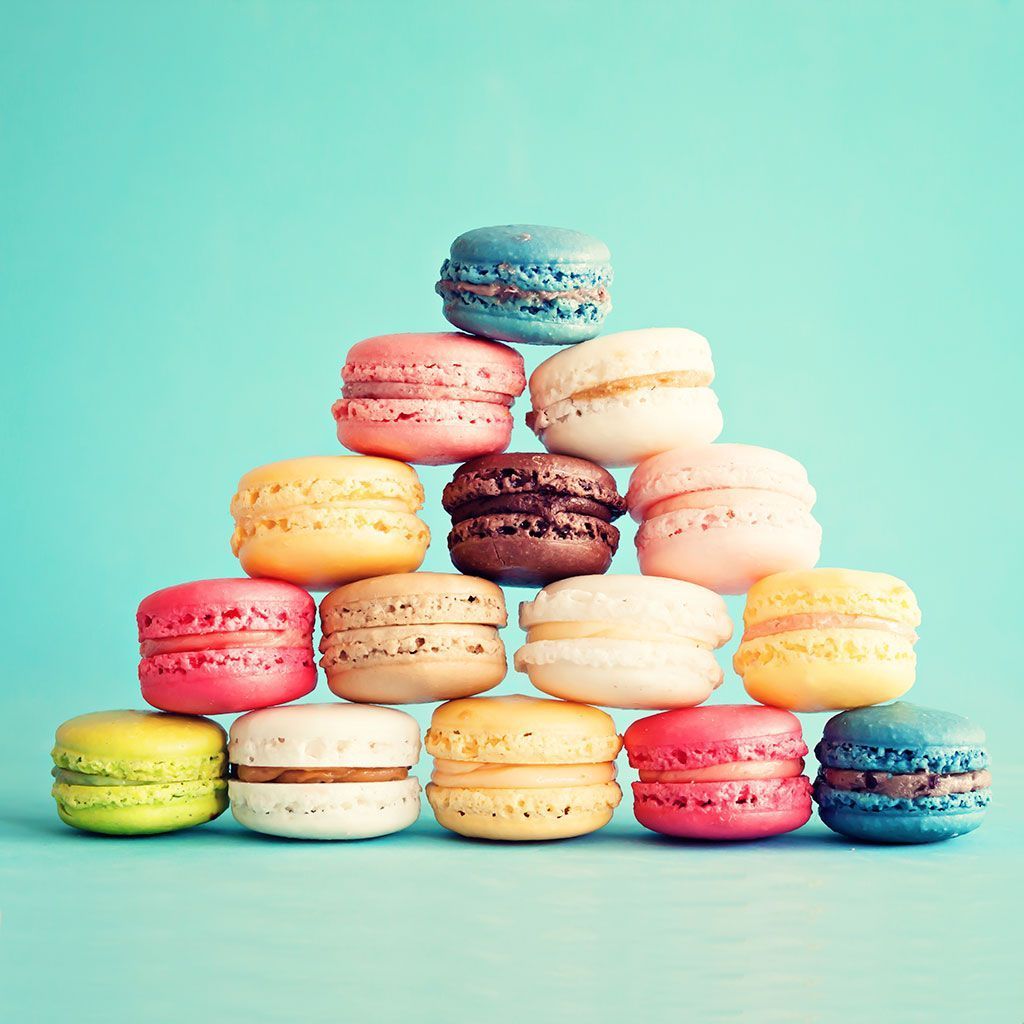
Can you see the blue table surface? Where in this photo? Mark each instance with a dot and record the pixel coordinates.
(621, 924)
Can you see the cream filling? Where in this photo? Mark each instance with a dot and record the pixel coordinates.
(476, 775)
(827, 620)
(225, 641)
(725, 497)
(732, 771)
(606, 631)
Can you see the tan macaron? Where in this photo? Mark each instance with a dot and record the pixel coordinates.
(413, 638)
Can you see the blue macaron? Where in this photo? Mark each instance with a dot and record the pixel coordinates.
(901, 773)
(527, 283)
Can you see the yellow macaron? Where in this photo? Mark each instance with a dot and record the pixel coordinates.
(323, 521)
(828, 639)
(521, 767)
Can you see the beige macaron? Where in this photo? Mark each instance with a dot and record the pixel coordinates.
(413, 638)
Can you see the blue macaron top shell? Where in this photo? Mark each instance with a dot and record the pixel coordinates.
(902, 738)
(527, 283)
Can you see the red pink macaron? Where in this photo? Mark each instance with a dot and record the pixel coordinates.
(431, 399)
(720, 772)
(220, 646)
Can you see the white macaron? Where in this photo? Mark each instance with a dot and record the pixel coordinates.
(324, 771)
(624, 641)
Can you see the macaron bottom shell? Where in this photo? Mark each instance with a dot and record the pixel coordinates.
(345, 546)
(815, 672)
(871, 821)
(344, 810)
(537, 327)
(418, 681)
(226, 682)
(734, 810)
(518, 815)
(140, 810)
(522, 558)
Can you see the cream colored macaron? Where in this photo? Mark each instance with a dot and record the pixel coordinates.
(522, 768)
(413, 637)
(621, 398)
(324, 771)
(624, 641)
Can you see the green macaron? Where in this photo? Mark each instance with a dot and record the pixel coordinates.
(130, 773)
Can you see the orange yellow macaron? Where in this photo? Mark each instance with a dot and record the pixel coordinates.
(522, 768)
(828, 639)
(323, 521)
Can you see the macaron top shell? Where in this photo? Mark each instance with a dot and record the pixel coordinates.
(619, 357)
(837, 591)
(414, 597)
(325, 736)
(711, 735)
(446, 360)
(356, 476)
(716, 467)
(517, 729)
(146, 746)
(527, 244)
(224, 606)
(494, 476)
(661, 605)
(924, 737)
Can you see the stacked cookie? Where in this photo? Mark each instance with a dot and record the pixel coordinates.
(714, 519)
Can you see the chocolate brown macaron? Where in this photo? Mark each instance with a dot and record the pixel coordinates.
(529, 519)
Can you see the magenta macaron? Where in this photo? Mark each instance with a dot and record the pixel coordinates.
(216, 647)
(432, 399)
(720, 772)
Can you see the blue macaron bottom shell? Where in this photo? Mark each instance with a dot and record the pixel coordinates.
(549, 323)
(874, 818)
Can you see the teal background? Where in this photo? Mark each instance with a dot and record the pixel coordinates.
(204, 204)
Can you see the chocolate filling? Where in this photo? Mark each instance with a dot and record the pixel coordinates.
(911, 786)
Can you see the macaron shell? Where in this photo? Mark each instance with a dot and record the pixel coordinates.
(727, 550)
(621, 673)
(826, 670)
(348, 810)
(752, 809)
(523, 328)
(325, 548)
(933, 734)
(524, 814)
(625, 428)
(140, 810)
(872, 827)
(425, 433)
(227, 681)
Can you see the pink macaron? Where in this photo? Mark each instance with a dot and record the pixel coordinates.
(720, 772)
(215, 647)
(431, 399)
(723, 516)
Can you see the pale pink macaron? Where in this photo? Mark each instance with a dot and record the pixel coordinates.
(214, 647)
(723, 516)
(431, 399)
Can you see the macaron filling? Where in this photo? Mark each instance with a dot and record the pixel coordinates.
(502, 292)
(731, 771)
(911, 786)
(484, 775)
(243, 638)
(279, 774)
(827, 620)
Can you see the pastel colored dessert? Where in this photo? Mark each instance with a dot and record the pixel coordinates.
(624, 641)
(136, 773)
(325, 771)
(323, 521)
(413, 637)
(527, 283)
(428, 398)
(721, 772)
(530, 519)
(622, 398)
(828, 639)
(215, 647)
(521, 768)
(723, 516)
(902, 773)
